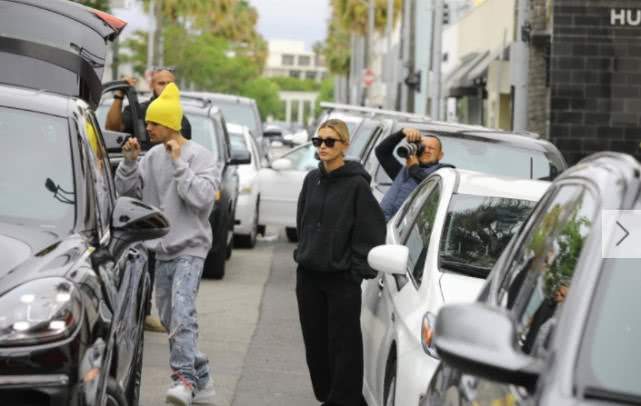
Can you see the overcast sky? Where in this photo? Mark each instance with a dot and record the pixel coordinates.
(304, 20)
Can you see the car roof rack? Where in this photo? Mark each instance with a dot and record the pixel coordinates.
(373, 111)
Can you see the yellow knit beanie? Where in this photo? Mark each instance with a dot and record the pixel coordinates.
(166, 109)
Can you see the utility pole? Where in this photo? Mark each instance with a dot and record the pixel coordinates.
(151, 36)
(369, 42)
(437, 58)
(520, 65)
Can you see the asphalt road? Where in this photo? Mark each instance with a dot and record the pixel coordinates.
(249, 328)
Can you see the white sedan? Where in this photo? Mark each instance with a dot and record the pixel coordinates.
(280, 185)
(246, 221)
(441, 245)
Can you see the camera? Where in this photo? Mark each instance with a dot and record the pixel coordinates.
(410, 148)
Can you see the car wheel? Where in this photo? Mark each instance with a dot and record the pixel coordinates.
(389, 390)
(114, 395)
(292, 235)
(214, 267)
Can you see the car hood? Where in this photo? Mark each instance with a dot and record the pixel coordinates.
(30, 252)
(457, 288)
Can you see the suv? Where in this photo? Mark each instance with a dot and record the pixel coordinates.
(208, 128)
(73, 278)
(238, 110)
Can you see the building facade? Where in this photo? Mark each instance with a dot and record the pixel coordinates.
(595, 77)
(289, 58)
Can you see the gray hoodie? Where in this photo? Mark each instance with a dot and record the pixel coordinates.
(185, 191)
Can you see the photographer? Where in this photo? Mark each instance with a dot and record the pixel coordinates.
(422, 154)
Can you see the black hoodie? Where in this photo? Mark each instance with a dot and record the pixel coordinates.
(338, 221)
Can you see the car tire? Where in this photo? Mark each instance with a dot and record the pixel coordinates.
(389, 390)
(292, 235)
(214, 267)
(114, 396)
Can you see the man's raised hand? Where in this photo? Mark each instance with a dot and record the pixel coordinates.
(131, 149)
(412, 135)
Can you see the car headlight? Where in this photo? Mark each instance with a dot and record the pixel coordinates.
(39, 311)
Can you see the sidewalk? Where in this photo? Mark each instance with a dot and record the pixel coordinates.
(275, 372)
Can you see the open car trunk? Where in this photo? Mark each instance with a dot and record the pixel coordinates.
(55, 45)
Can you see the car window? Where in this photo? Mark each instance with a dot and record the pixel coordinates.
(204, 133)
(36, 175)
(411, 207)
(359, 139)
(419, 235)
(541, 271)
(609, 358)
(477, 229)
(237, 113)
(303, 158)
(101, 171)
(237, 141)
(497, 159)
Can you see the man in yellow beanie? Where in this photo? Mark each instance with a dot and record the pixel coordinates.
(182, 178)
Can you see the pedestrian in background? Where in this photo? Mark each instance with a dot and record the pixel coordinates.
(180, 177)
(418, 165)
(338, 222)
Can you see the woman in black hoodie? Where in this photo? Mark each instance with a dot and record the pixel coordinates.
(338, 222)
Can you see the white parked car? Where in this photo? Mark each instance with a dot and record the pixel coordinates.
(246, 221)
(280, 185)
(441, 245)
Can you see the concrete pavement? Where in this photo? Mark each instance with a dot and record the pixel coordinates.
(249, 328)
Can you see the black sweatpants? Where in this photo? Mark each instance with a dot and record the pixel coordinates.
(329, 307)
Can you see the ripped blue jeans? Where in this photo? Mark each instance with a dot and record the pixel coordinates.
(177, 282)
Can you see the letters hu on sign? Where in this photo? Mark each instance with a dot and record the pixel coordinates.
(622, 16)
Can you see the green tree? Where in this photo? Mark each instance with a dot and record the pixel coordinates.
(265, 92)
(326, 93)
(102, 5)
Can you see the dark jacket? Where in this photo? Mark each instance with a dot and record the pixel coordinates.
(338, 221)
(405, 179)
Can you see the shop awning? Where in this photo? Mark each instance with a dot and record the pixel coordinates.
(464, 78)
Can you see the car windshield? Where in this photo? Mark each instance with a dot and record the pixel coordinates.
(241, 114)
(609, 365)
(36, 178)
(477, 229)
(303, 158)
(204, 132)
(498, 159)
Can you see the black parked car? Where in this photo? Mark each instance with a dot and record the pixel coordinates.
(208, 128)
(73, 277)
(557, 322)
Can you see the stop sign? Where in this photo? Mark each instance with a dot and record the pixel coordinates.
(368, 77)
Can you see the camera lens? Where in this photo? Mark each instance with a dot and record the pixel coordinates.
(406, 150)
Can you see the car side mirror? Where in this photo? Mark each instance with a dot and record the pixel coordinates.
(282, 164)
(481, 340)
(389, 258)
(240, 158)
(132, 221)
(114, 140)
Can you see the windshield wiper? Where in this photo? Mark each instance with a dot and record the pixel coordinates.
(454, 263)
(593, 392)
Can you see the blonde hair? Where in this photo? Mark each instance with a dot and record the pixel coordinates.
(339, 127)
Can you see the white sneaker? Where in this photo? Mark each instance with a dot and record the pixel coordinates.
(205, 394)
(180, 395)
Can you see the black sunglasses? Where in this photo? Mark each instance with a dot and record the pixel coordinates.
(171, 69)
(329, 142)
